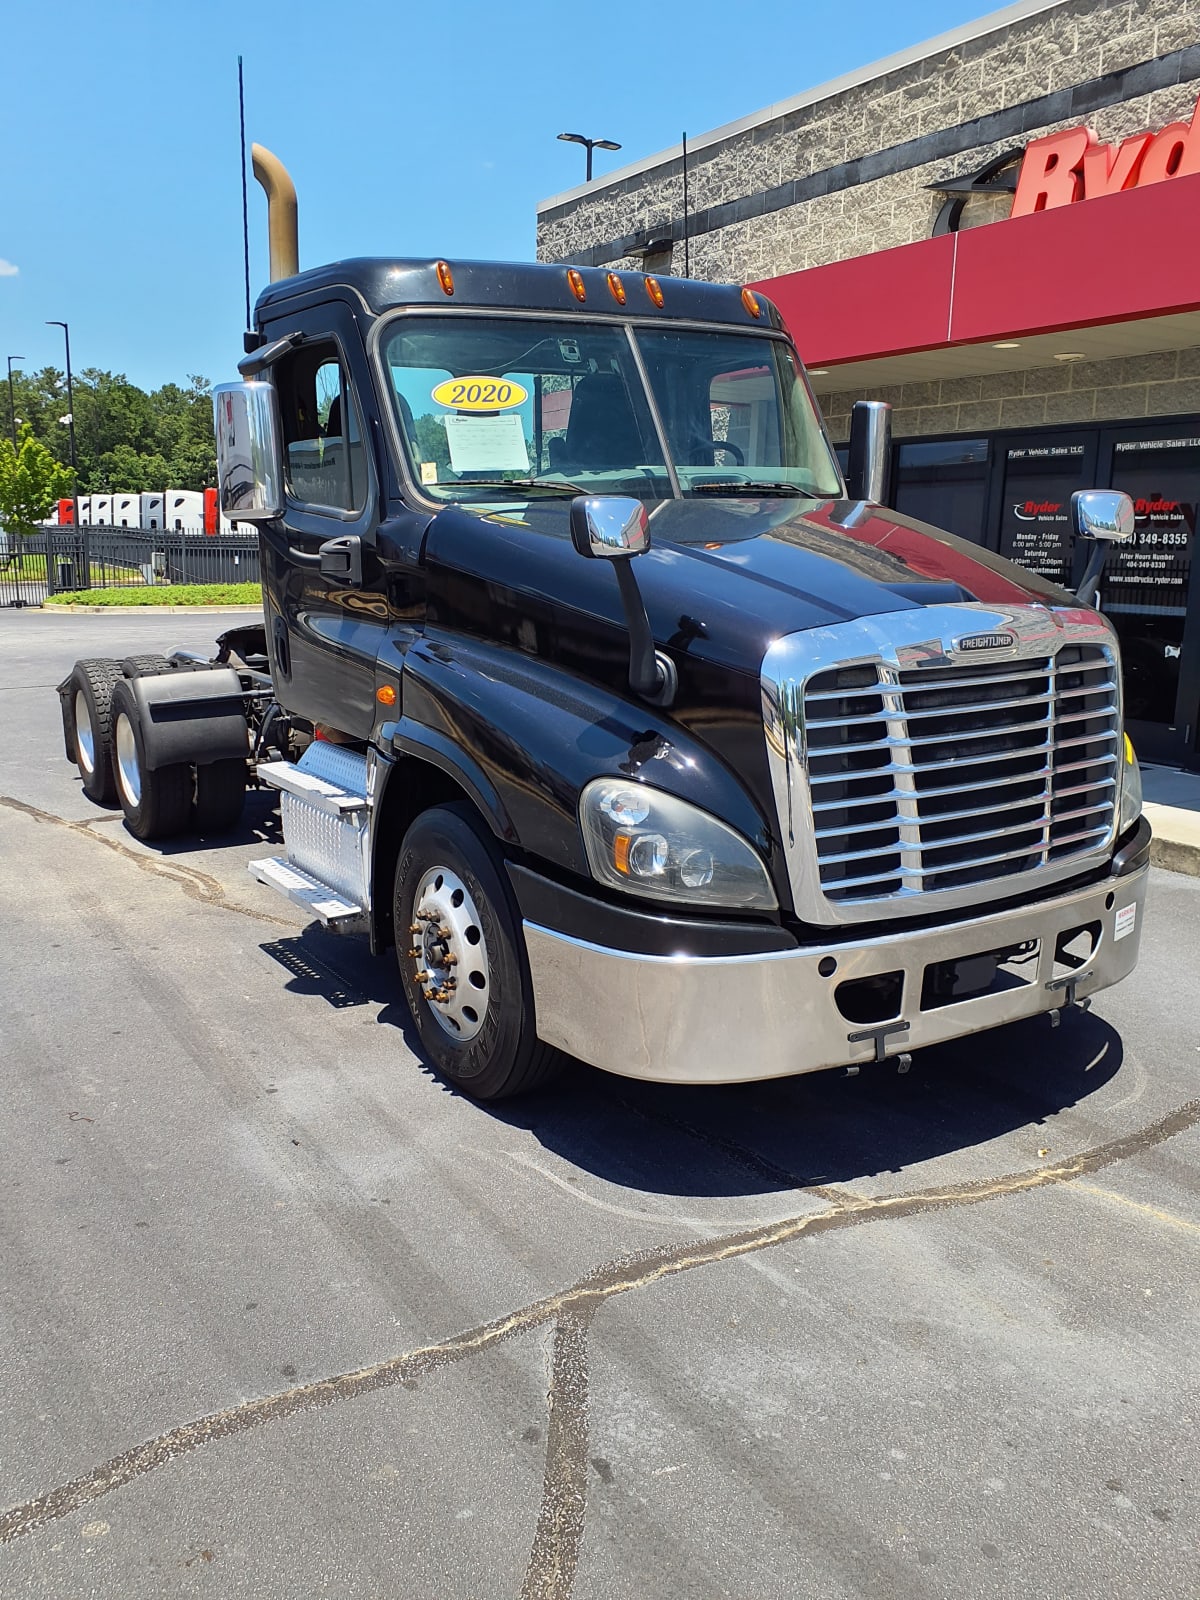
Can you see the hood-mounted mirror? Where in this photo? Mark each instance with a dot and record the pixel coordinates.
(615, 528)
(1104, 516)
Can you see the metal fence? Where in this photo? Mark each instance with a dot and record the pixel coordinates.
(61, 560)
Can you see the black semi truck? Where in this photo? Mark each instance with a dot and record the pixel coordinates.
(593, 687)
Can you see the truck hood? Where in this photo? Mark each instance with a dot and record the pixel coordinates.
(723, 578)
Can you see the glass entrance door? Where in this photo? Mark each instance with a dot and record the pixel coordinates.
(1149, 582)
(1040, 473)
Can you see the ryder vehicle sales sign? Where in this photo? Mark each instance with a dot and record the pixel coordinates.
(1076, 165)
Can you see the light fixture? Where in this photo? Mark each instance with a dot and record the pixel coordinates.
(1006, 344)
(1069, 355)
(818, 372)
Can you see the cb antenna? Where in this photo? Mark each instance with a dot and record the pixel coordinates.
(687, 261)
(245, 200)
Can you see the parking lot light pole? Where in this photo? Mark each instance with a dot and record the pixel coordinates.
(86, 575)
(589, 145)
(12, 404)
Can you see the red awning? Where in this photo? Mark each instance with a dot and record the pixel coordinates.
(1116, 258)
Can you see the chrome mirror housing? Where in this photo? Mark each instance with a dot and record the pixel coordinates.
(609, 525)
(249, 456)
(870, 451)
(1102, 514)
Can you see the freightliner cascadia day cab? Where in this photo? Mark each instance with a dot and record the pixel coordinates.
(593, 688)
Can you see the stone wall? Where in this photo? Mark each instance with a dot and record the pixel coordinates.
(847, 174)
(1162, 384)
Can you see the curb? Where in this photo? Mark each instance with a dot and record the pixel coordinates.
(154, 611)
(1176, 841)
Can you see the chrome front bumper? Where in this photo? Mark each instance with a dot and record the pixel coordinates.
(732, 1019)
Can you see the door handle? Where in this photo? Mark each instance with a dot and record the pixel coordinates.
(339, 559)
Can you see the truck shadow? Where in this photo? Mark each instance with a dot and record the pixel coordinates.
(822, 1128)
(760, 1138)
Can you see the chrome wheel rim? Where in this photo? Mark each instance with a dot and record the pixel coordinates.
(129, 774)
(450, 954)
(85, 742)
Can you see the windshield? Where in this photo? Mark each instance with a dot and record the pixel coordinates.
(507, 407)
(737, 413)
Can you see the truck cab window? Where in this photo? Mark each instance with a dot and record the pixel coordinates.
(490, 409)
(321, 429)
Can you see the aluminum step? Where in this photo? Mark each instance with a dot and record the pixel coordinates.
(325, 903)
(318, 792)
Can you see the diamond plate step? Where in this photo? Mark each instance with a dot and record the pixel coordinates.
(318, 792)
(324, 902)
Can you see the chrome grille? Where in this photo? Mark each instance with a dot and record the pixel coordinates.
(951, 775)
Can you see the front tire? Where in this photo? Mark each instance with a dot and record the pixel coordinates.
(158, 804)
(464, 971)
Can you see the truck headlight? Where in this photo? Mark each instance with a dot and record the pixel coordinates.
(648, 843)
(1131, 788)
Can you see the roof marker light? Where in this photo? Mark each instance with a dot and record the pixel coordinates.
(654, 290)
(578, 287)
(750, 301)
(616, 288)
(445, 277)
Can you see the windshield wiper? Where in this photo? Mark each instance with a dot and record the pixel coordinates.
(552, 485)
(741, 486)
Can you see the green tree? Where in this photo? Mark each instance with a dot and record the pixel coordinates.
(31, 480)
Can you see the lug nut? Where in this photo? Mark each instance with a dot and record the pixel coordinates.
(414, 927)
(423, 977)
(451, 958)
(443, 933)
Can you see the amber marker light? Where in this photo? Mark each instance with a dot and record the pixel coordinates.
(616, 288)
(578, 287)
(750, 301)
(386, 695)
(621, 846)
(654, 290)
(445, 277)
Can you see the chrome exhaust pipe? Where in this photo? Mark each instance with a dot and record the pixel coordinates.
(282, 231)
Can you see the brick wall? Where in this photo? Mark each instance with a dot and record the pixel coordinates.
(846, 175)
(1162, 384)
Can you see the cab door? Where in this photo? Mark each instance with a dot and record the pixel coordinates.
(324, 625)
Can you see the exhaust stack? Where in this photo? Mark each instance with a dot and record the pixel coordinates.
(281, 212)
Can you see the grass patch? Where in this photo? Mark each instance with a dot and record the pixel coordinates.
(167, 594)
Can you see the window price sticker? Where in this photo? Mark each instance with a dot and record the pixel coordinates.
(1123, 921)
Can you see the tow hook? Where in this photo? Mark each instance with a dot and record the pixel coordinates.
(1070, 998)
(878, 1036)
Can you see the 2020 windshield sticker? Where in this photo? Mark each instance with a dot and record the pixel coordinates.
(479, 394)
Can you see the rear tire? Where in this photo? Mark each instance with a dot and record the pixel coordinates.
(92, 684)
(145, 666)
(220, 795)
(157, 805)
(480, 1036)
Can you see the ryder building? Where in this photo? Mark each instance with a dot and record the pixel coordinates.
(998, 232)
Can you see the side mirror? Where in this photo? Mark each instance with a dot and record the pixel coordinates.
(1102, 514)
(609, 526)
(870, 451)
(617, 529)
(1106, 516)
(249, 456)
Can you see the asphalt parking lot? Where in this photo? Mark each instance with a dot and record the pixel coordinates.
(284, 1317)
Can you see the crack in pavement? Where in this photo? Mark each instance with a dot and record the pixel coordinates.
(195, 884)
(557, 1539)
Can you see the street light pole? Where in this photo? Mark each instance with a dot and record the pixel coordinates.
(85, 564)
(70, 393)
(589, 145)
(12, 404)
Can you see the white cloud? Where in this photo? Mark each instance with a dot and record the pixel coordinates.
(7, 270)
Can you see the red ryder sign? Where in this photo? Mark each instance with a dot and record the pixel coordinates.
(1075, 165)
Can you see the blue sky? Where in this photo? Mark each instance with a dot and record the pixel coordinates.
(408, 129)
